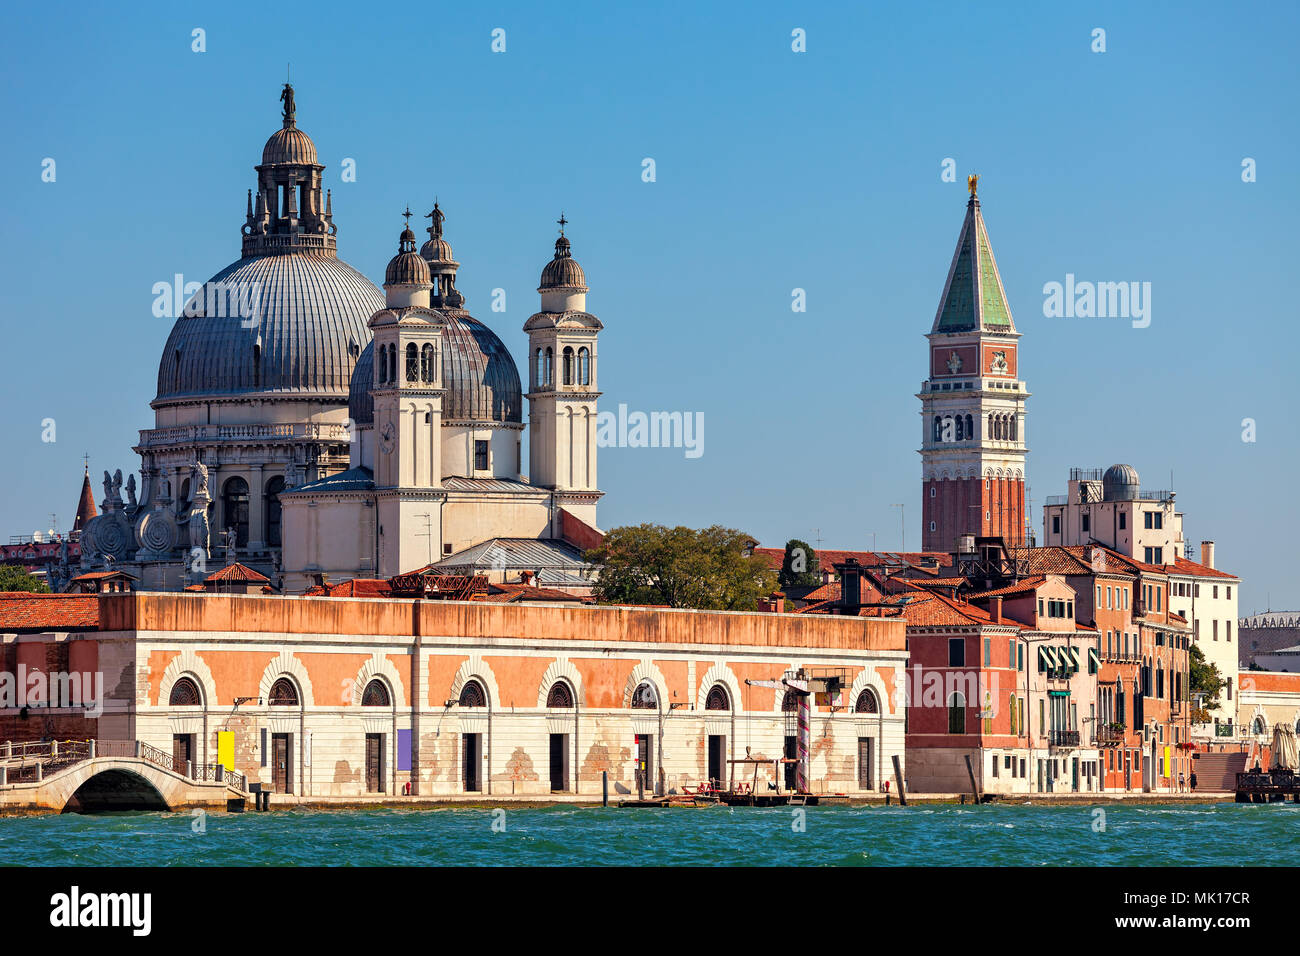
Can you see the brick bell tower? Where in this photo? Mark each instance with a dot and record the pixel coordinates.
(973, 403)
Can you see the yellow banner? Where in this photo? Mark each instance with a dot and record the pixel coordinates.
(1166, 771)
(226, 749)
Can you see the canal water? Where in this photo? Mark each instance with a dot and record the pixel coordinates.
(1222, 834)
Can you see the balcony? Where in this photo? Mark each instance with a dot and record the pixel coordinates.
(194, 434)
(1063, 738)
(1108, 737)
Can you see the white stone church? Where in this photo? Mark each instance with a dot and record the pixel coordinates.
(324, 428)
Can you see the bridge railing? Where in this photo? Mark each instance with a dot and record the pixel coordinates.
(32, 760)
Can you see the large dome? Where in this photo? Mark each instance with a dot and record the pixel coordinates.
(312, 315)
(478, 373)
(289, 145)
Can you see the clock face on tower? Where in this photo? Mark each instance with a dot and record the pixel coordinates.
(386, 438)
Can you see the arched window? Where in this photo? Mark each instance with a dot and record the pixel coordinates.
(380, 359)
(426, 363)
(993, 435)
(392, 365)
(235, 509)
(473, 695)
(957, 713)
(566, 365)
(970, 427)
(866, 702)
(549, 369)
(185, 693)
(272, 510)
(718, 698)
(645, 697)
(584, 366)
(560, 695)
(284, 693)
(938, 428)
(1015, 428)
(375, 694)
(1259, 726)
(961, 428)
(790, 702)
(412, 363)
(539, 369)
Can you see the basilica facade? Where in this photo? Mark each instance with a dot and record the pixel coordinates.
(308, 424)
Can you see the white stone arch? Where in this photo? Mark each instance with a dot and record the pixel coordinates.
(719, 674)
(191, 665)
(865, 681)
(379, 666)
(476, 668)
(562, 669)
(285, 664)
(646, 671)
(1258, 713)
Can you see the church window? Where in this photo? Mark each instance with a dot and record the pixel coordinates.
(1015, 427)
(938, 428)
(549, 368)
(961, 428)
(426, 364)
(235, 510)
(970, 427)
(992, 431)
(412, 363)
(584, 366)
(539, 369)
(257, 366)
(392, 365)
(272, 510)
(933, 491)
(481, 455)
(931, 525)
(566, 365)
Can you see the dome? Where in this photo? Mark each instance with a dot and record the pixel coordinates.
(407, 267)
(437, 250)
(312, 315)
(289, 145)
(478, 372)
(1119, 483)
(563, 272)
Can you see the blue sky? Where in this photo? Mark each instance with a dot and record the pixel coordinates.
(775, 170)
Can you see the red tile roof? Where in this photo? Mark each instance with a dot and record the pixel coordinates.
(20, 611)
(238, 572)
(1183, 566)
(1020, 587)
(356, 587)
(510, 593)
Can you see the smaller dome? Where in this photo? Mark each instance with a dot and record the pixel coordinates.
(408, 266)
(563, 272)
(437, 250)
(289, 145)
(1120, 483)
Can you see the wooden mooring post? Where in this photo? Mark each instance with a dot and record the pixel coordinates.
(898, 777)
(604, 788)
(974, 790)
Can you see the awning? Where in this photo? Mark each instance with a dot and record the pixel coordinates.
(1074, 657)
(1094, 659)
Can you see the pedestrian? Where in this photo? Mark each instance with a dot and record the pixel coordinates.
(1193, 779)
(1182, 781)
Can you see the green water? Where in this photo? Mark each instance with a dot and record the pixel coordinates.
(1225, 834)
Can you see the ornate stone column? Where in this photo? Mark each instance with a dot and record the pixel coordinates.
(256, 509)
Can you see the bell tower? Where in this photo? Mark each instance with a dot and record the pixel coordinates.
(973, 403)
(562, 392)
(407, 393)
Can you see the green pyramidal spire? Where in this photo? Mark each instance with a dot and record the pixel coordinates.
(973, 297)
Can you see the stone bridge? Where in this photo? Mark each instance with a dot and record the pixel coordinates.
(77, 779)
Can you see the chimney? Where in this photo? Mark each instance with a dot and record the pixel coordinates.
(995, 609)
(776, 602)
(850, 584)
(1207, 553)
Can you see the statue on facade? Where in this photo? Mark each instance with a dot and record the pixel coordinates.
(108, 491)
(286, 97)
(131, 503)
(199, 482)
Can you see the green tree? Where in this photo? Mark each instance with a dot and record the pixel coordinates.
(14, 578)
(1203, 678)
(712, 569)
(799, 566)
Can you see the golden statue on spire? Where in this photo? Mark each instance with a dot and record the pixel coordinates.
(972, 181)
